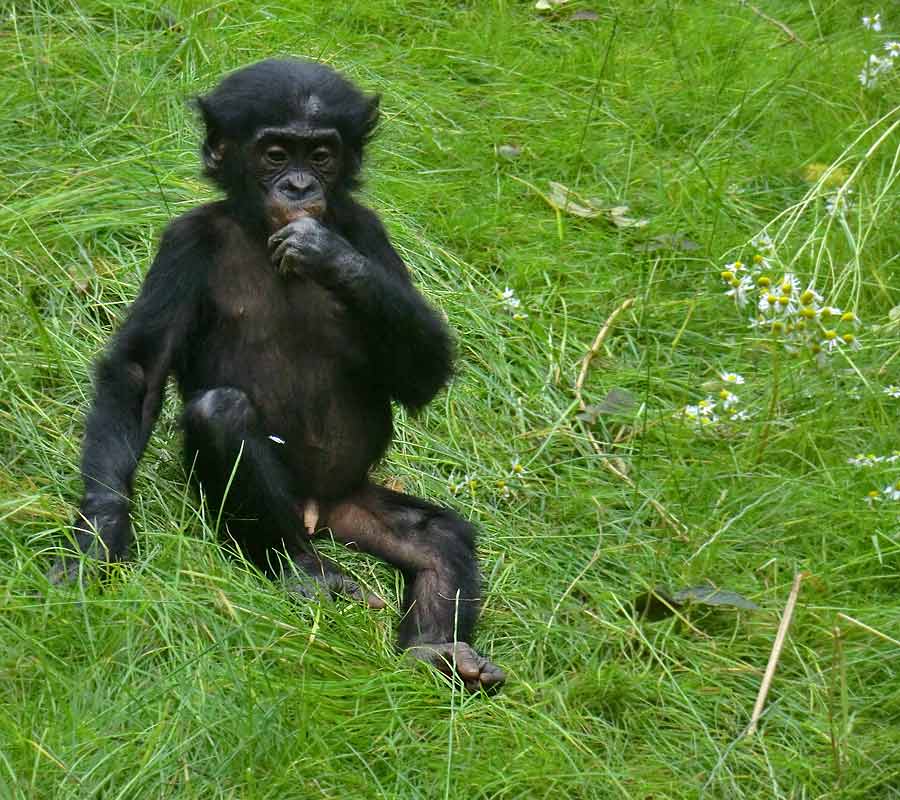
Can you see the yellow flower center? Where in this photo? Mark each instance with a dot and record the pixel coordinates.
(829, 335)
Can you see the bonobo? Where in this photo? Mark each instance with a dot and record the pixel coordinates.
(290, 324)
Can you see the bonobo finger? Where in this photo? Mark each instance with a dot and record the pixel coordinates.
(281, 251)
(352, 589)
(277, 238)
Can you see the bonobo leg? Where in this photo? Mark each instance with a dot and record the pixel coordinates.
(435, 550)
(240, 472)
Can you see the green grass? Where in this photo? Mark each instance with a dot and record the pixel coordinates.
(189, 676)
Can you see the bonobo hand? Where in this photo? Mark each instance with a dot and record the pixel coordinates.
(304, 246)
(102, 531)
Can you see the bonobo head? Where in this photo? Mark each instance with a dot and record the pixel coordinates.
(284, 138)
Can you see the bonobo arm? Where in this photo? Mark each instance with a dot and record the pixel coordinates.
(128, 392)
(410, 344)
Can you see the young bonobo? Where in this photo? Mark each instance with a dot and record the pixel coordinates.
(290, 324)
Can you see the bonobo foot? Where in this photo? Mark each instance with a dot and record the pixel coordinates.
(461, 659)
(66, 570)
(309, 576)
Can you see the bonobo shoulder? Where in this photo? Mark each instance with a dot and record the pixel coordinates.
(196, 232)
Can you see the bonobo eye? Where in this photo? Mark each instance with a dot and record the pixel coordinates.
(320, 157)
(277, 156)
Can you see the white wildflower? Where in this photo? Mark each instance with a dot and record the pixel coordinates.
(892, 391)
(732, 377)
(892, 49)
(790, 284)
(763, 243)
(740, 290)
(892, 491)
(729, 399)
(512, 303)
(768, 302)
(761, 263)
(702, 413)
(831, 341)
(707, 407)
(691, 412)
(865, 460)
(872, 23)
(508, 296)
(838, 203)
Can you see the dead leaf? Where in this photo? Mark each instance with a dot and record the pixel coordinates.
(668, 241)
(562, 198)
(618, 402)
(659, 603)
(585, 16)
(813, 172)
(509, 151)
(712, 596)
(618, 217)
(395, 484)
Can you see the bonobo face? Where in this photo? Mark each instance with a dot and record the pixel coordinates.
(295, 168)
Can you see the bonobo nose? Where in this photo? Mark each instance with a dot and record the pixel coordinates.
(297, 186)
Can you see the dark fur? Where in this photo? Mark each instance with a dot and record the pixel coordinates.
(314, 357)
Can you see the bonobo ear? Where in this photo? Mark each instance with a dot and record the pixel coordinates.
(213, 149)
(213, 152)
(373, 113)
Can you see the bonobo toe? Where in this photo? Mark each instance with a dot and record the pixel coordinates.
(459, 659)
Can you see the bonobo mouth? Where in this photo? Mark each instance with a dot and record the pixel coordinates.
(281, 214)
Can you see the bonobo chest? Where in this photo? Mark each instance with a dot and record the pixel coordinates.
(252, 306)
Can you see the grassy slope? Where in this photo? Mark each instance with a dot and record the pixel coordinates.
(190, 677)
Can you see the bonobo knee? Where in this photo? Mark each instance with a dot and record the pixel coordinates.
(225, 408)
(453, 536)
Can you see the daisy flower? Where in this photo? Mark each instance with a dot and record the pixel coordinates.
(729, 399)
(892, 491)
(872, 23)
(740, 290)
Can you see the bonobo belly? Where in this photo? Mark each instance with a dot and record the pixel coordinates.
(327, 424)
